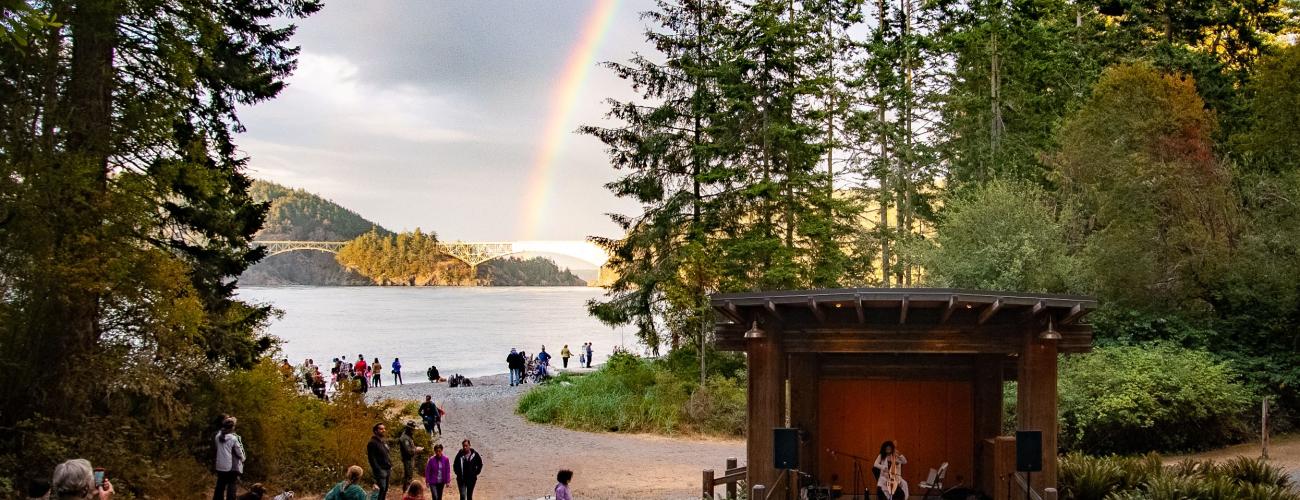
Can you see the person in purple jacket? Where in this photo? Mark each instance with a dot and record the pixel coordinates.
(437, 472)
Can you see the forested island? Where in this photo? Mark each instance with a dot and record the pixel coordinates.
(377, 256)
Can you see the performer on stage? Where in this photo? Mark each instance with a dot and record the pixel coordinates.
(889, 473)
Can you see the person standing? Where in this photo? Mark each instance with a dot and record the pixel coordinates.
(565, 354)
(397, 371)
(515, 362)
(229, 460)
(381, 464)
(437, 472)
(408, 450)
(360, 368)
(589, 354)
(468, 465)
(76, 479)
(562, 485)
(376, 370)
(544, 357)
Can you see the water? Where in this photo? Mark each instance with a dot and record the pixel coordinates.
(466, 330)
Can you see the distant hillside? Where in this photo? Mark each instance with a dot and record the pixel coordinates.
(537, 271)
(298, 215)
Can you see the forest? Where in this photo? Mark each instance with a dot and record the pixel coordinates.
(414, 259)
(1143, 152)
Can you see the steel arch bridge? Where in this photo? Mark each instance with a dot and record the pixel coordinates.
(471, 253)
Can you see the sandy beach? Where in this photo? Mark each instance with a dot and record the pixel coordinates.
(521, 458)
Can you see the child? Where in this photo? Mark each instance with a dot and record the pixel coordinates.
(562, 485)
(414, 491)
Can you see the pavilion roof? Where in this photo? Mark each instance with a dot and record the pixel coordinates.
(902, 320)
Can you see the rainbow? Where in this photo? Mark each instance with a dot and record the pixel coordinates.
(558, 129)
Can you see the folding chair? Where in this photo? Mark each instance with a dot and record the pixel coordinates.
(935, 480)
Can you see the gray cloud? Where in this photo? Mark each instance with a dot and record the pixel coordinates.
(430, 113)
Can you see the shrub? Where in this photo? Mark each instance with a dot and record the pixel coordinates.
(632, 394)
(1144, 478)
(1122, 399)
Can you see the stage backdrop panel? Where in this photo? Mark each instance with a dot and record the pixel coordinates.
(929, 421)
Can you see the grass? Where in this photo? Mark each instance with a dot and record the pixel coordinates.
(632, 394)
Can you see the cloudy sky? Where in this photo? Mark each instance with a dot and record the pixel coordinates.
(432, 114)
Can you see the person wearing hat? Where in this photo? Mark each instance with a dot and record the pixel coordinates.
(408, 449)
(229, 461)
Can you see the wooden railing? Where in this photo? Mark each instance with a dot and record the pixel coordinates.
(730, 476)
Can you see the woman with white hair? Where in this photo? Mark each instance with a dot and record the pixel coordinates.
(75, 480)
(230, 460)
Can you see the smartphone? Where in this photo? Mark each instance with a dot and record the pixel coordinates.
(99, 477)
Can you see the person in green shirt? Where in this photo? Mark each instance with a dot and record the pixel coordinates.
(348, 489)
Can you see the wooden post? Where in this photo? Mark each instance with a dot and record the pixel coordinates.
(1050, 494)
(1036, 400)
(760, 493)
(766, 407)
(804, 382)
(731, 485)
(986, 388)
(708, 484)
(1263, 427)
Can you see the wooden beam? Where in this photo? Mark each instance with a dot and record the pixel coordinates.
(989, 311)
(821, 316)
(1076, 312)
(771, 308)
(732, 312)
(1033, 312)
(857, 303)
(902, 311)
(953, 304)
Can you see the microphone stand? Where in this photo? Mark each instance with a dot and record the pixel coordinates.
(859, 478)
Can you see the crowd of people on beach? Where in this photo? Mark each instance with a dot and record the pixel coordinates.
(523, 366)
(343, 374)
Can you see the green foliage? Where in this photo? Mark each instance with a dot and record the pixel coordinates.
(1145, 397)
(411, 259)
(1001, 235)
(1145, 478)
(124, 218)
(1138, 158)
(1272, 139)
(631, 394)
(298, 215)
(536, 271)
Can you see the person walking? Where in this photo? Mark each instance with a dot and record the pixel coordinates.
(431, 414)
(348, 489)
(381, 464)
(377, 369)
(408, 450)
(562, 485)
(589, 354)
(565, 354)
(467, 466)
(515, 362)
(229, 460)
(437, 472)
(397, 371)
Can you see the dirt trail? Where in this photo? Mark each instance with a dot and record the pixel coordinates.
(521, 458)
(1283, 451)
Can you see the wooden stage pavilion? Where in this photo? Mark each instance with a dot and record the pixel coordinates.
(924, 367)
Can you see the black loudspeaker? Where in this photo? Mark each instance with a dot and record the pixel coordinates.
(785, 447)
(1029, 451)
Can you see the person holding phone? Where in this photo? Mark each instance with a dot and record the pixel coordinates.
(77, 480)
(229, 461)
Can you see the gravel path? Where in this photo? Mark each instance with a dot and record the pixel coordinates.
(521, 458)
